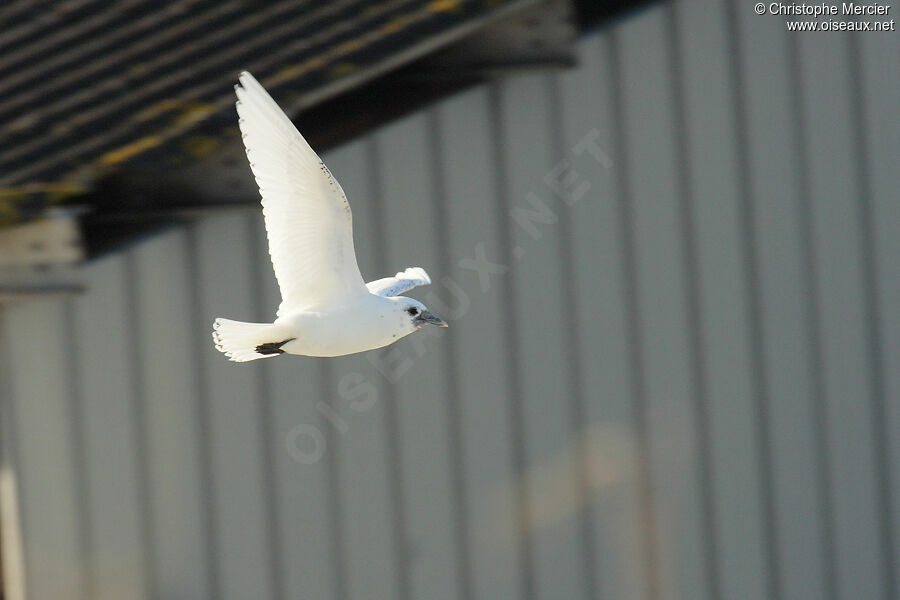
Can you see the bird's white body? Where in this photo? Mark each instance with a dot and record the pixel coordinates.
(366, 323)
(326, 307)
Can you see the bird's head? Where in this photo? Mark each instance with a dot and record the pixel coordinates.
(414, 314)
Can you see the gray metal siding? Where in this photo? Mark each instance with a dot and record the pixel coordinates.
(683, 386)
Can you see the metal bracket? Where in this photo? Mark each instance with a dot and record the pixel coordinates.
(38, 259)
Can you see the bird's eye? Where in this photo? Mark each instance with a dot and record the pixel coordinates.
(413, 311)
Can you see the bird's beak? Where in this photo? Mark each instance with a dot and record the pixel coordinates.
(427, 317)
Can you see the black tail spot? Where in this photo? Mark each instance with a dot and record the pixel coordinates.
(272, 347)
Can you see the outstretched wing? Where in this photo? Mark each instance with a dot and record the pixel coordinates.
(400, 283)
(308, 219)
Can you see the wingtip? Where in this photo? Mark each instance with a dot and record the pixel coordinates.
(245, 80)
(421, 272)
(248, 81)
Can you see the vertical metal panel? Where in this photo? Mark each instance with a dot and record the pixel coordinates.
(267, 426)
(872, 320)
(392, 366)
(755, 572)
(646, 518)
(335, 511)
(880, 93)
(366, 465)
(471, 190)
(161, 315)
(226, 286)
(848, 393)
(512, 365)
(139, 431)
(11, 546)
(303, 490)
(450, 370)
(550, 476)
(694, 198)
(102, 346)
(771, 138)
(80, 464)
(574, 363)
(597, 264)
(420, 393)
(666, 412)
(202, 407)
(39, 412)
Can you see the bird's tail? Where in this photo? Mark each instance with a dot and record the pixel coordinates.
(241, 341)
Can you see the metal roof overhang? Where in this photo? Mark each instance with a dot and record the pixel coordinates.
(89, 87)
(110, 110)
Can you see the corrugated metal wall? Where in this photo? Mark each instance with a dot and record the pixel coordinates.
(684, 385)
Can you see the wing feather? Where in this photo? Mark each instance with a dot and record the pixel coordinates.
(400, 283)
(308, 219)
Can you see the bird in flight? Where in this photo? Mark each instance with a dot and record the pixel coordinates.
(326, 307)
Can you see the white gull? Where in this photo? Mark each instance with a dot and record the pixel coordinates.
(326, 307)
